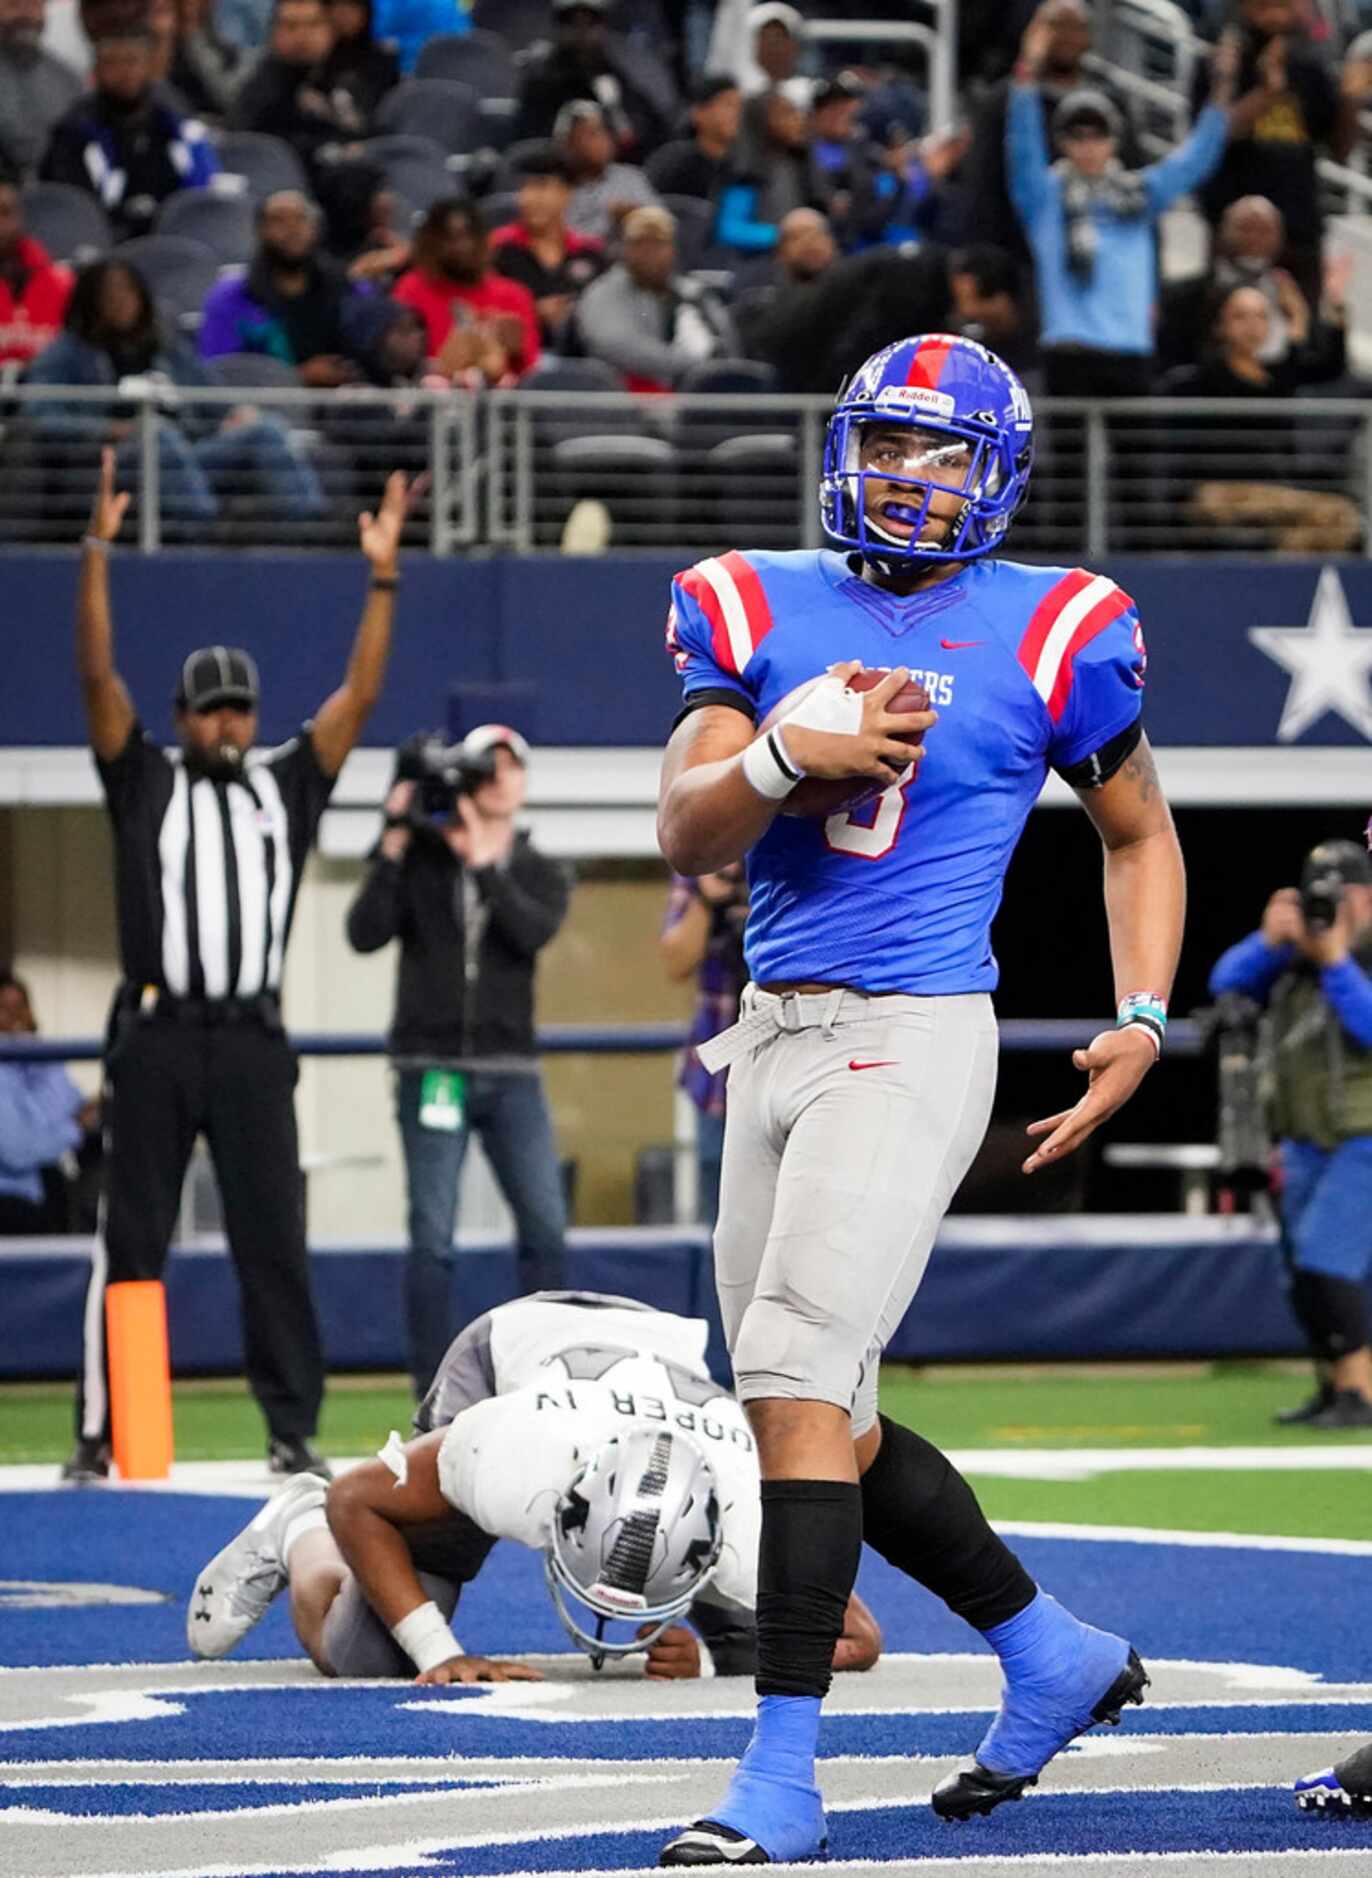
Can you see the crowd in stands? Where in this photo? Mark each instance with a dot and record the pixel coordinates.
(454, 193)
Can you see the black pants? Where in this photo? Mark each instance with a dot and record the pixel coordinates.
(235, 1083)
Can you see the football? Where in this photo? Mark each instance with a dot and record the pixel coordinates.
(820, 796)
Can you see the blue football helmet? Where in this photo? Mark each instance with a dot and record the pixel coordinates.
(939, 385)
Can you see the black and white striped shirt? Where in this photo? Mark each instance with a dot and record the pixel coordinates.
(207, 871)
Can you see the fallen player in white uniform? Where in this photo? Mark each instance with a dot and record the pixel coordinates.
(586, 1427)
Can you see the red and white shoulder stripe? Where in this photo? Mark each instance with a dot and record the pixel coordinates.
(1069, 616)
(729, 593)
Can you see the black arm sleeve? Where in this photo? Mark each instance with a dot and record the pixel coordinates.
(1101, 765)
(374, 916)
(719, 695)
(527, 900)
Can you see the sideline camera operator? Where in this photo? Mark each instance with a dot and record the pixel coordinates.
(1308, 962)
(472, 902)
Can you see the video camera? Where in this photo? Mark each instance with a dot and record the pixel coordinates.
(441, 773)
(1230, 1026)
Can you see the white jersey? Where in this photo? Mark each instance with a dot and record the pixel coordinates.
(567, 1378)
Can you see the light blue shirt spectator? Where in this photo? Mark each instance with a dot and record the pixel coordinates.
(407, 24)
(39, 1105)
(1109, 306)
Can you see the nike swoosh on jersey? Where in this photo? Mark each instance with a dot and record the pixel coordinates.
(887, 1063)
(960, 645)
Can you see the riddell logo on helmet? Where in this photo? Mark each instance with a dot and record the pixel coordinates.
(916, 398)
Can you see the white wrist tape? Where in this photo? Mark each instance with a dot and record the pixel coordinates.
(426, 1637)
(767, 765)
(829, 706)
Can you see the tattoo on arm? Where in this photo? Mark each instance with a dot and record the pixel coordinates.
(1142, 772)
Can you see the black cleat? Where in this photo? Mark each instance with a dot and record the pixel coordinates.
(89, 1460)
(1316, 1404)
(979, 1790)
(294, 1455)
(709, 1843)
(1349, 1409)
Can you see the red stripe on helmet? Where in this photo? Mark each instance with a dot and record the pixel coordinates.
(1045, 614)
(1096, 621)
(928, 360)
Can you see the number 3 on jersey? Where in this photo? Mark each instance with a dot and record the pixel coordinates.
(870, 830)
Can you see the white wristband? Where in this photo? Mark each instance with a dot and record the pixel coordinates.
(767, 765)
(426, 1637)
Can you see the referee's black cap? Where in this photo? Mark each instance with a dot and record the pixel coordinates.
(218, 675)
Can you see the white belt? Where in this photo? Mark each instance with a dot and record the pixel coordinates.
(764, 1013)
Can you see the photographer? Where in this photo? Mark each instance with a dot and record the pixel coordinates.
(702, 936)
(1308, 963)
(472, 902)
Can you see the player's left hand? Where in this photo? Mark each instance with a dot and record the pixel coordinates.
(1117, 1062)
(674, 1657)
(479, 1669)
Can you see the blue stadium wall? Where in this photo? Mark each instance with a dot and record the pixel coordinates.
(581, 639)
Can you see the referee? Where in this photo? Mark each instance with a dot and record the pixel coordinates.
(208, 855)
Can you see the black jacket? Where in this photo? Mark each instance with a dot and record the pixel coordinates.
(420, 901)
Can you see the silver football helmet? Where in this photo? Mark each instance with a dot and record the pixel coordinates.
(636, 1537)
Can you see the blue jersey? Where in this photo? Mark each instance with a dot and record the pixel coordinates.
(1029, 668)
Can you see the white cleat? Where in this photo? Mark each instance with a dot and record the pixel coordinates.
(233, 1591)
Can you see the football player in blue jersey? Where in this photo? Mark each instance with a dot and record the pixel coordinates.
(863, 1064)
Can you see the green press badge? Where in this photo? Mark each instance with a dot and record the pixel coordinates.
(442, 1098)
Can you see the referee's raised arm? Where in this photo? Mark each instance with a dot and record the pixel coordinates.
(339, 720)
(109, 709)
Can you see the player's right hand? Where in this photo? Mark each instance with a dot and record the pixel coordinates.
(479, 1669)
(1282, 923)
(879, 748)
(107, 511)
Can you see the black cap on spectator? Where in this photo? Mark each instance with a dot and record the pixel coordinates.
(839, 89)
(218, 675)
(1346, 860)
(544, 159)
(707, 88)
(1086, 107)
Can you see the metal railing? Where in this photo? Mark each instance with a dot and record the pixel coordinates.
(291, 468)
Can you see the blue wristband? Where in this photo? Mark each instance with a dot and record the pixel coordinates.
(1146, 1010)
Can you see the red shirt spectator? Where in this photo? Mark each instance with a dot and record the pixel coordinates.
(477, 321)
(34, 290)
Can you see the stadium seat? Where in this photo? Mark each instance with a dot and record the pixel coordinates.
(414, 168)
(695, 223)
(254, 371)
(437, 108)
(730, 375)
(266, 163)
(518, 22)
(224, 224)
(737, 457)
(479, 59)
(179, 272)
(69, 222)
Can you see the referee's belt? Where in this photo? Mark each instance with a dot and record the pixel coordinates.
(151, 1005)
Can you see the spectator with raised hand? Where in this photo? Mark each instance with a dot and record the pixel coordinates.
(646, 320)
(581, 61)
(358, 64)
(874, 195)
(539, 250)
(698, 165)
(34, 289)
(43, 1118)
(288, 304)
(1291, 111)
(1091, 224)
(991, 216)
(1249, 491)
(112, 338)
(122, 142)
(483, 328)
(603, 191)
(36, 88)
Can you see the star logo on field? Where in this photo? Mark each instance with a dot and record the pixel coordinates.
(1329, 659)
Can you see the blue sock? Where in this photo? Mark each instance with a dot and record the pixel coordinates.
(785, 1737)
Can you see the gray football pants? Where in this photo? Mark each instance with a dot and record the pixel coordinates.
(850, 1124)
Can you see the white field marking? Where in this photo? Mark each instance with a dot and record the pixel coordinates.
(393, 1857)
(237, 1480)
(455, 1783)
(1163, 1535)
(1088, 1463)
(106, 1705)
